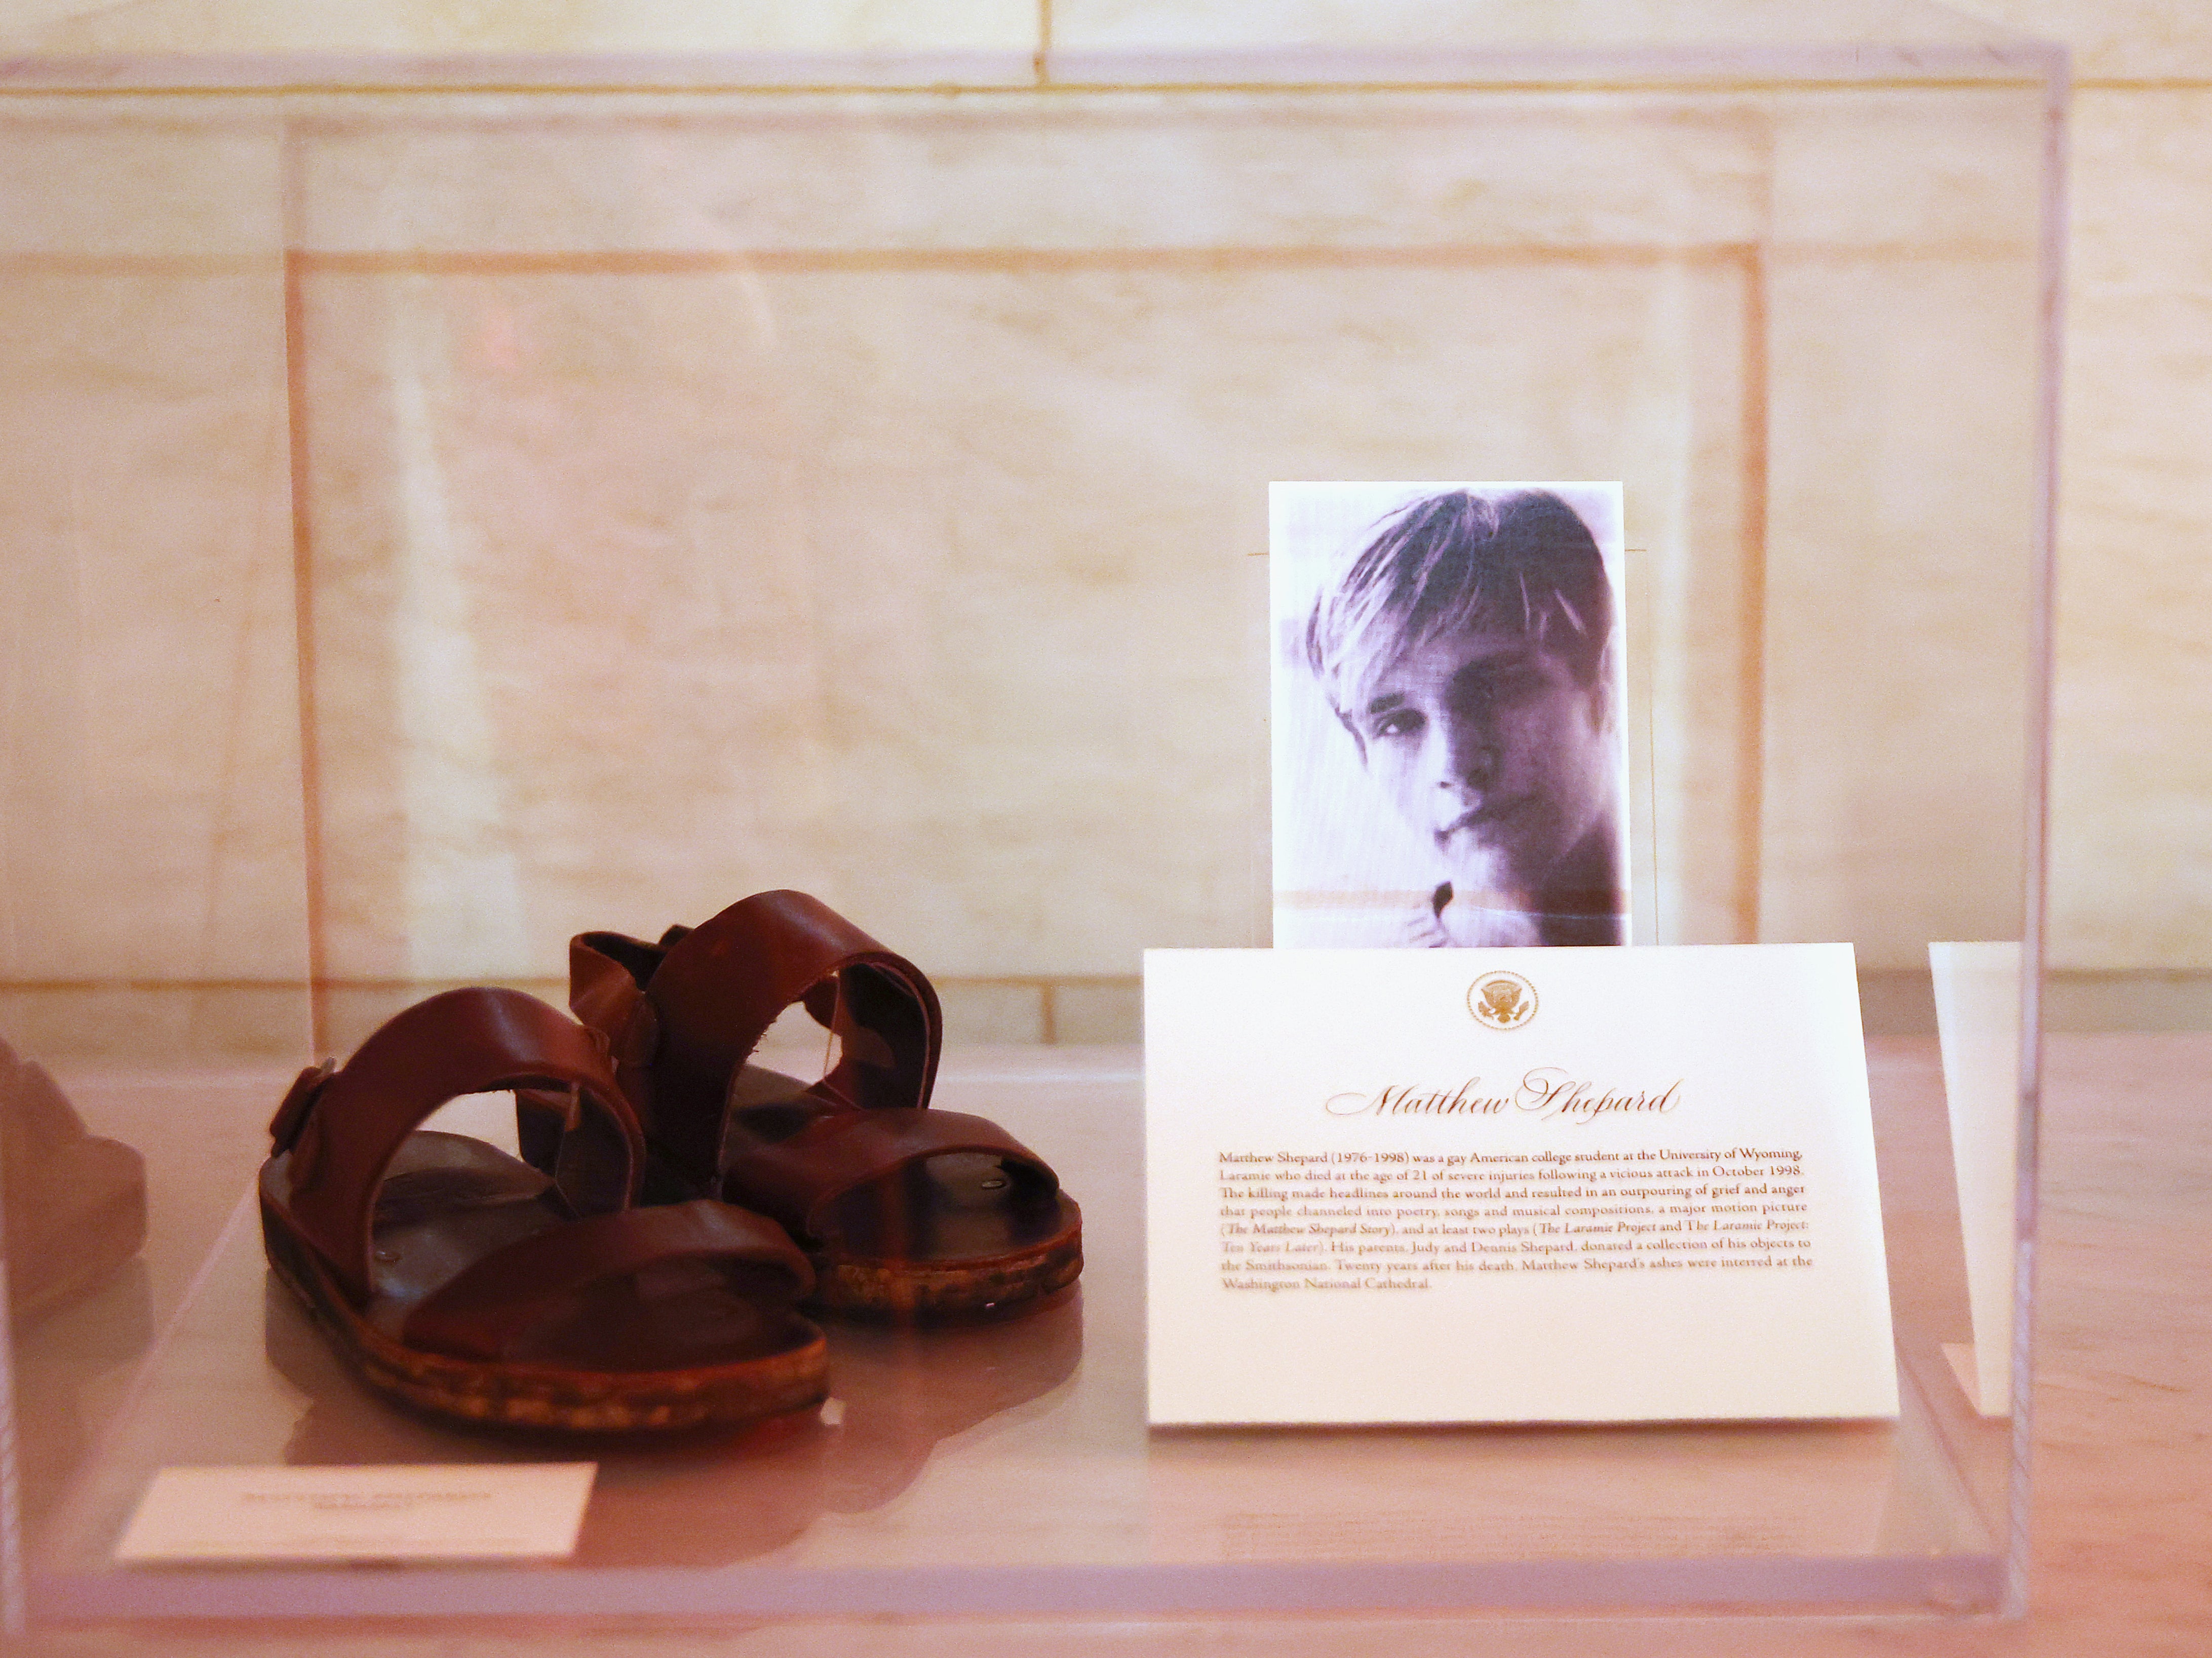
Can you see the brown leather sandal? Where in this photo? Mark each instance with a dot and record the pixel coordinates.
(463, 1281)
(905, 1212)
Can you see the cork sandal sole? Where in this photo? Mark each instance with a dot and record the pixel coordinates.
(448, 1201)
(869, 1287)
(955, 1235)
(548, 1396)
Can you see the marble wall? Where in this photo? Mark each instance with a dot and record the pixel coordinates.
(151, 834)
(438, 536)
(211, 27)
(2131, 795)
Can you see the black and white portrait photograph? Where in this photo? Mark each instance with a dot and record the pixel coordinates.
(1450, 753)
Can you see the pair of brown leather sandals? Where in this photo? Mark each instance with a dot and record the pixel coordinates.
(648, 1264)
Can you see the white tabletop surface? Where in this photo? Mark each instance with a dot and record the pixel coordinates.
(2123, 1538)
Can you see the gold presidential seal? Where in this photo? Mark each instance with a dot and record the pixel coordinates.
(1502, 1000)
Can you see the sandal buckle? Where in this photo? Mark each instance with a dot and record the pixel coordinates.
(291, 1118)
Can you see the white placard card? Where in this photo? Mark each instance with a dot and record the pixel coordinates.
(522, 1511)
(1566, 1185)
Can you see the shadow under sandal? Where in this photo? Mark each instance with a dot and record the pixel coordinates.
(904, 1211)
(463, 1281)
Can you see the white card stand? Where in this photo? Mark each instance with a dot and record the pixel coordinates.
(1977, 1019)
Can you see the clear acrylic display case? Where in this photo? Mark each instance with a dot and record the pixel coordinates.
(454, 502)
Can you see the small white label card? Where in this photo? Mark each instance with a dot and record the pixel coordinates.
(1564, 1185)
(467, 1511)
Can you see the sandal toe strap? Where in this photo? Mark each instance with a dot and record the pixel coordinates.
(340, 1126)
(796, 1178)
(484, 1310)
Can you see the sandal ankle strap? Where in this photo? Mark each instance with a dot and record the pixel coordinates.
(683, 1016)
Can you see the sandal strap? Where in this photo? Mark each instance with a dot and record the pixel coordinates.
(339, 1126)
(682, 1017)
(489, 1308)
(607, 975)
(796, 1178)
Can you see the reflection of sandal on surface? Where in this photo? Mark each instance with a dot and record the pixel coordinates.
(904, 1211)
(463, 1281)
(76, 1203)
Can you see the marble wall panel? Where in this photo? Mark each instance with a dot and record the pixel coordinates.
(930, 559)
(209, 26)
(153, 794)
(151, 856)
(1097, 1011)
(932, 591)
(133, 176)
(2134, 33)
(2115, 40)
(2132, 785)
(1903, 299)
(1908, 173)
(887, 175)
(1131, 25)
(677, 524)
(1695, 597)
(152, 727)
(1060, 345)
(1898, 672)
(140, 179)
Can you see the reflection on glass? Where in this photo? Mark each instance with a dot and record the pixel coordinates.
(76, 1203)
(715, 1499)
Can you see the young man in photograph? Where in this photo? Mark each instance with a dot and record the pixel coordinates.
(1468, 648)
